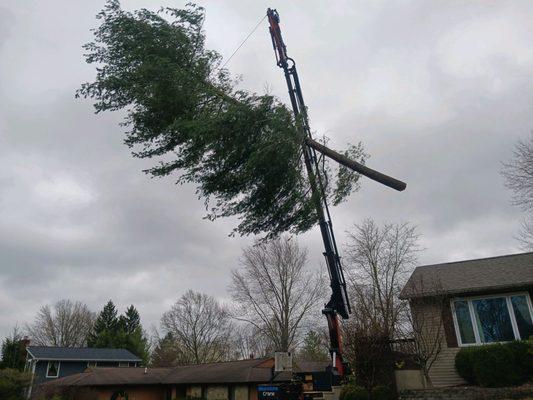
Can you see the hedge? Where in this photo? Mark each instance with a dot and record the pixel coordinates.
(353, 392)
(496, 365)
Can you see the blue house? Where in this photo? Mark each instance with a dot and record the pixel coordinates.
(49, 363)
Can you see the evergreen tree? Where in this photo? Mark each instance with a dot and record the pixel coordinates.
(14, 351)
(131, 320)
(241, 150)
(120, 332)
(314, 347)
(165, 353)
(105, 328)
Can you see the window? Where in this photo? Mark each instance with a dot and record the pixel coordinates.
(52, 371)
(492, 319)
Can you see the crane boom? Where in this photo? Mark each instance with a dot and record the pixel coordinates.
(338, 305)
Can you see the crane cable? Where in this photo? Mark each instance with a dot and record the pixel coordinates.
(244, 41)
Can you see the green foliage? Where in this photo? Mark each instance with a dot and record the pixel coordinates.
(353, 392)
(13, 351)
(382, 392)
(165, 353)
(13, 384)
(122, 332)
(496, 365)
(241, 150)
(105, 322)
(464, 364)
(314, 347)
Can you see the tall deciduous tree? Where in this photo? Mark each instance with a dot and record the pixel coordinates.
(241, 150)
(380, 259)
(202, 329)
(251, 342)
(14, 351)
(66, 324)
(274, 291)
(518, 173)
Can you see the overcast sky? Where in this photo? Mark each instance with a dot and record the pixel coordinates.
(438, 92)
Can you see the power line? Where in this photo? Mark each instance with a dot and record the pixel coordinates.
(244, 41)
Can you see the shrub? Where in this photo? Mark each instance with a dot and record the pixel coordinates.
(464, 364)
(382, 392)
(13, 384)
(496, 365)
(353, 392)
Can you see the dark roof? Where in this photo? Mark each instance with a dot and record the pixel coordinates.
(113, 376)
(252, 370)
(80, 354)
(485, 274)
(243, 371)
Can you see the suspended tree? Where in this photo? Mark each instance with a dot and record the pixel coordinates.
(240, 149)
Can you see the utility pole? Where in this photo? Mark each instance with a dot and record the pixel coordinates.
(339, 304)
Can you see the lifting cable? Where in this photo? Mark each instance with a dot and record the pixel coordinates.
(244, 41)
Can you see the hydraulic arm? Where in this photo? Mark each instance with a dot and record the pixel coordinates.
(338, 305)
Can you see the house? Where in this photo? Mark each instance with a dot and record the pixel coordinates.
(231, 380)
(51, 363)
(471, 303)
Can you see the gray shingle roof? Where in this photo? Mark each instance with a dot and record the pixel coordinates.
(81, 354)
(504, 272)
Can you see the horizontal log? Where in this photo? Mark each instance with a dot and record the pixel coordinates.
(357, 167)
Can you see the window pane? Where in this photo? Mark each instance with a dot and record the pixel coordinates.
(522, 315)
(52, 369)
(465, 323)
(493, 320)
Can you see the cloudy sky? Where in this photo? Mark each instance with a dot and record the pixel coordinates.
(437, 91)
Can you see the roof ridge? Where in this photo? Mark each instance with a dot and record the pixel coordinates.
(78, 348)
(224, 362)
(476, 259)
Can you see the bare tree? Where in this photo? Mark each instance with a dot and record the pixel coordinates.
(67, 324)
(202, 329)
(380, 259)
(426, 322)
(518, 174)
(274, 291)
(251, 342)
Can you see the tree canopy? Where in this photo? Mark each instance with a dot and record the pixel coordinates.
(13, 351)
(240, 149)
(122, 332)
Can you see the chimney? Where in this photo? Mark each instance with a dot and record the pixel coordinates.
(25, 341)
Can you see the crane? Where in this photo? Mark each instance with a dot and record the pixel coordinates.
(338, 304)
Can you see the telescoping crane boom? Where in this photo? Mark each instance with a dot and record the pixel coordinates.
(339, 304)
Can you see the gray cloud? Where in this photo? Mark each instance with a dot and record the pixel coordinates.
(437, 91)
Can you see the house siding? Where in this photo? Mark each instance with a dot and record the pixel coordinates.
(433, 314)
(66, 368)
(241, 392)
(134, 393)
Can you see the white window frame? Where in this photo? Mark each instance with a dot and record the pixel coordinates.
(92, 364)
(468, 300)
(48, 369)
